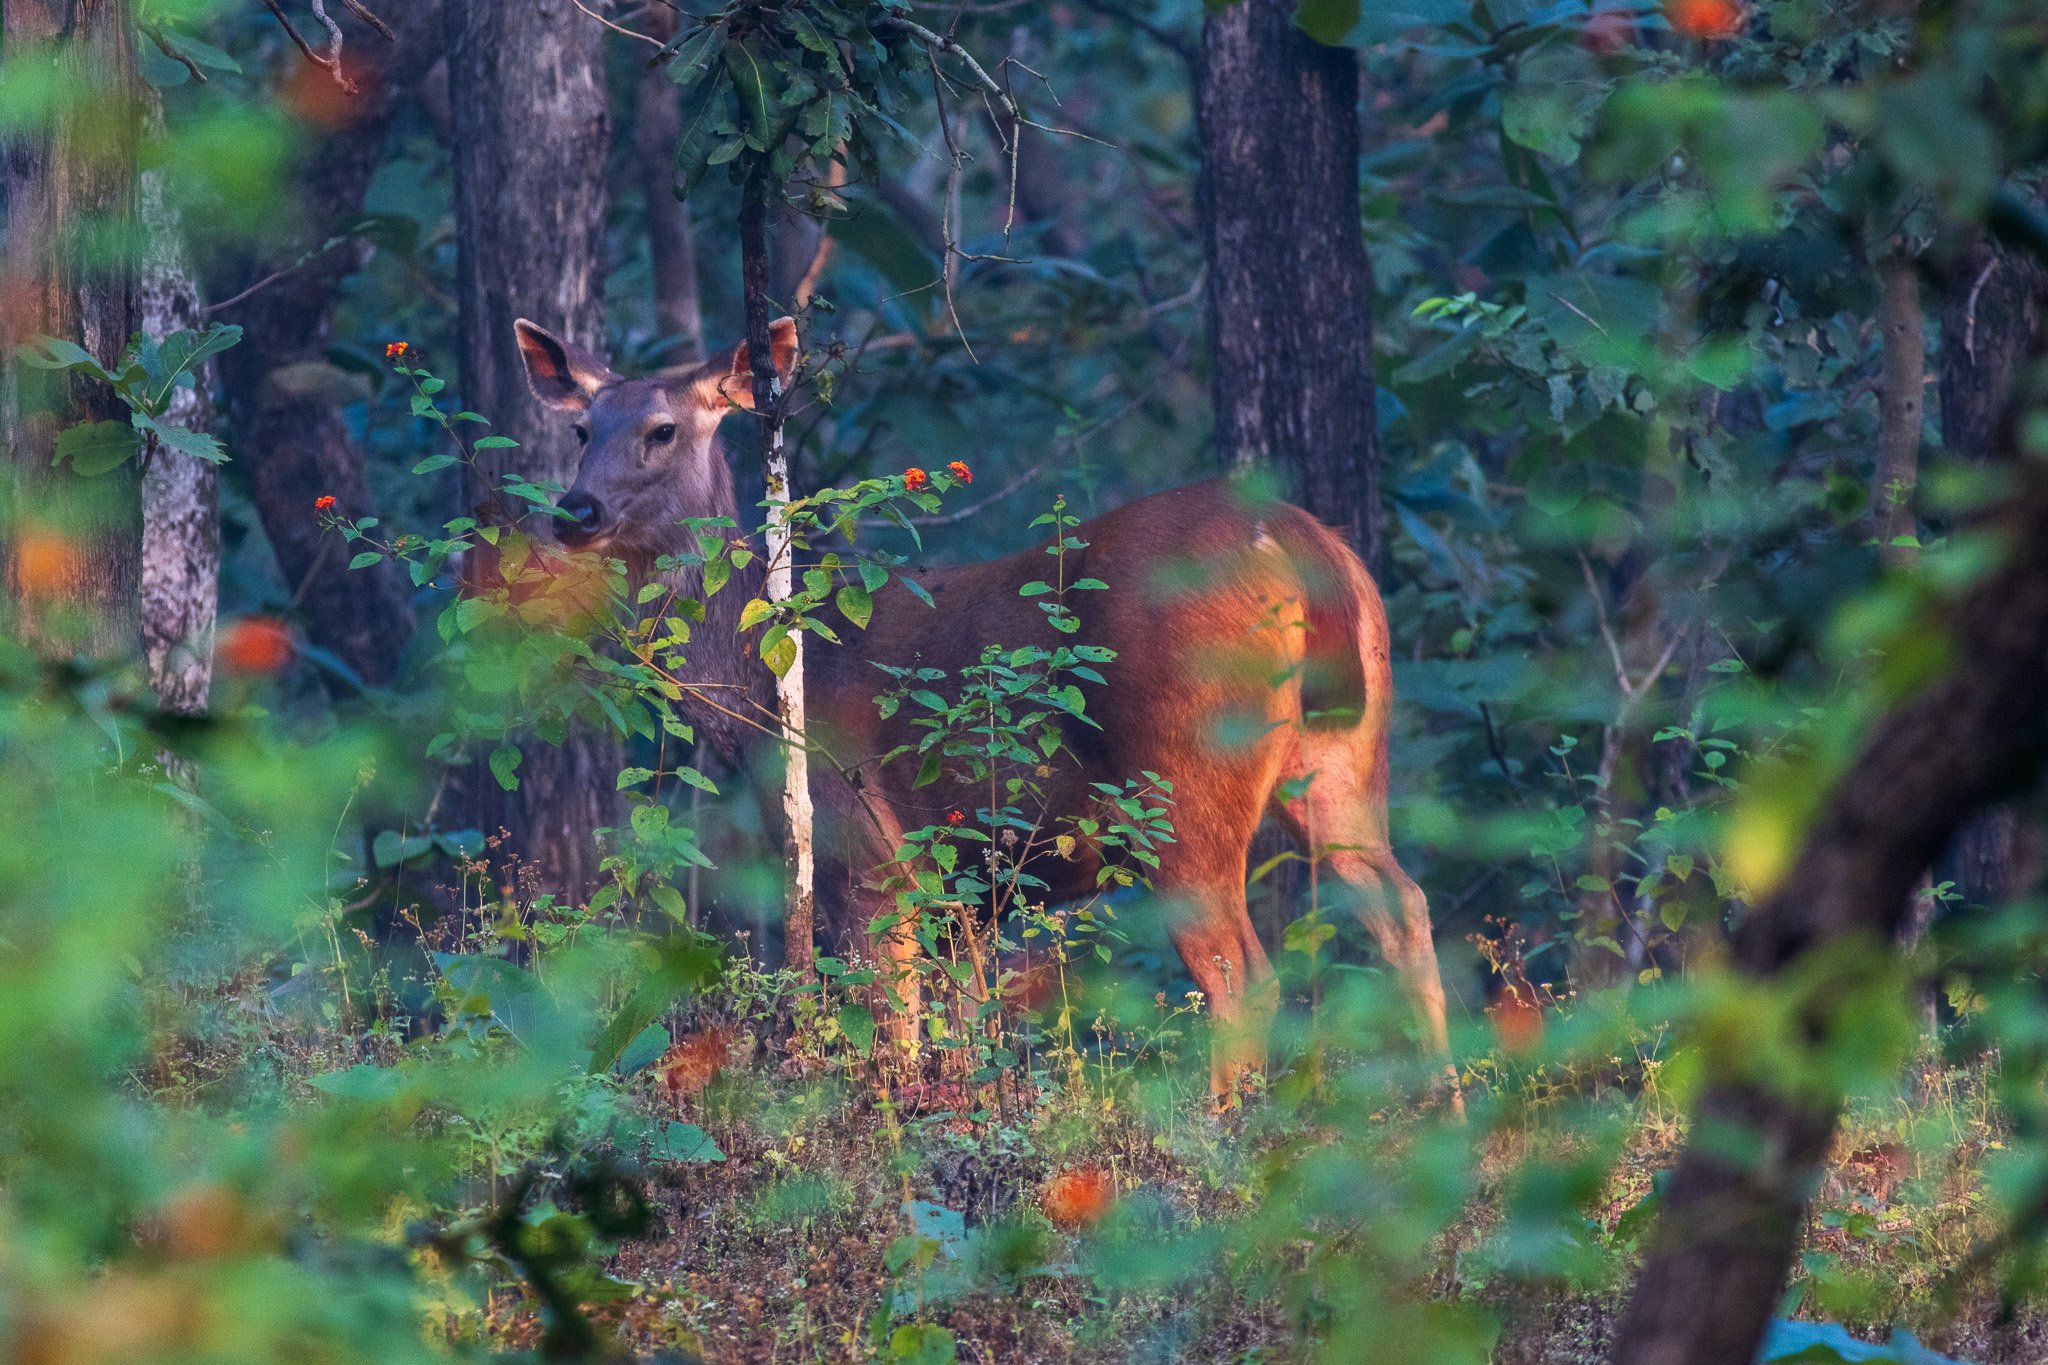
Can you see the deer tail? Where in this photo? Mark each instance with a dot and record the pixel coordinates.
(1336, 676)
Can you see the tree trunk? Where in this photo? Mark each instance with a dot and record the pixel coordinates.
(531, 141)
(75, 551)
(1735, 1210)
(1901, 407)
(180, 494)
(1990, 321)
(671, 242)
(1289, 285)
(798, 848)
(284, 400)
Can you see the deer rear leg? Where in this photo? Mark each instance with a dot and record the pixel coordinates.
(1212, 931)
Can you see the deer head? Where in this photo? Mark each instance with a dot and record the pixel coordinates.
(650, 450)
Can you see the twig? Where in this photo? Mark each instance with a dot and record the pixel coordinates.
(163, 45)
(1606, 630)
(1498, 749)
(334, 38)
(274, 276)
(368, 16)
(1970, 308)
(616, 28)
(947, 45)
(331, 66)
(974, 509)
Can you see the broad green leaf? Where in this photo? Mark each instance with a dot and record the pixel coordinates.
(96, 448)
(855, 604)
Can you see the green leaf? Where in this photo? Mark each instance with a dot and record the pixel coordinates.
(780, 655)
(855, 604)
(685, 962)
(183, 352)
(684, 1142)
(390, 848)
(755, 612)
(195, 445)
(366, 559)
(491, 443)
(55, 353)
(647, 1048)
(750, 80)
(96, 448)
(504, 766)
(432, 463)
(703, 116)
(670, 901)
(857, 1022)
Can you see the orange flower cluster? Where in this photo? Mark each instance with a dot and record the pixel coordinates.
(396, 350)
(1078, 1198)
(1710, 19)
(954, 817)
(959, 470)
(256, 644)
(324, 503)
(915, 479)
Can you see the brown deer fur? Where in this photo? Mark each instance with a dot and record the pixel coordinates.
(1251, 653)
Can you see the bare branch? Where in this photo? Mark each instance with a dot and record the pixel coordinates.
(331, 65)
(946, 44)
(616, 28)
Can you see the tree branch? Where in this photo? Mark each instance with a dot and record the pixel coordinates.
(1735, 1210)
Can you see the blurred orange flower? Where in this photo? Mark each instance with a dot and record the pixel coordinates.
(396, 350)
(47, 564)
(1078, 1198)
(324, 502)
(1705, 18)
(914, 479)
(1517, 1020)
(954, 817)
(256, 644)
(959, 470)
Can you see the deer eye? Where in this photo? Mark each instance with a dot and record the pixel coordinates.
(662, 434)
(582, 436)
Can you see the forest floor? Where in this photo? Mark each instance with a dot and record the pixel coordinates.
(1105, 1213)
(788, 1249)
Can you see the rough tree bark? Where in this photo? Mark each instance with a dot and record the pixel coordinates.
(1734, 1212)
(671, 242)
(73, 561)
(284, 400)
(1991, 313)
(180, 494)
(531, 140)
(1289, 285)
(1289, 288)
(798, 847)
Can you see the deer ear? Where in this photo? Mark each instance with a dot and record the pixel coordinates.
(562, 375)
(737, 386)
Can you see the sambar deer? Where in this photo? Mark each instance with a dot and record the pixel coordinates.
(1258, 682)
